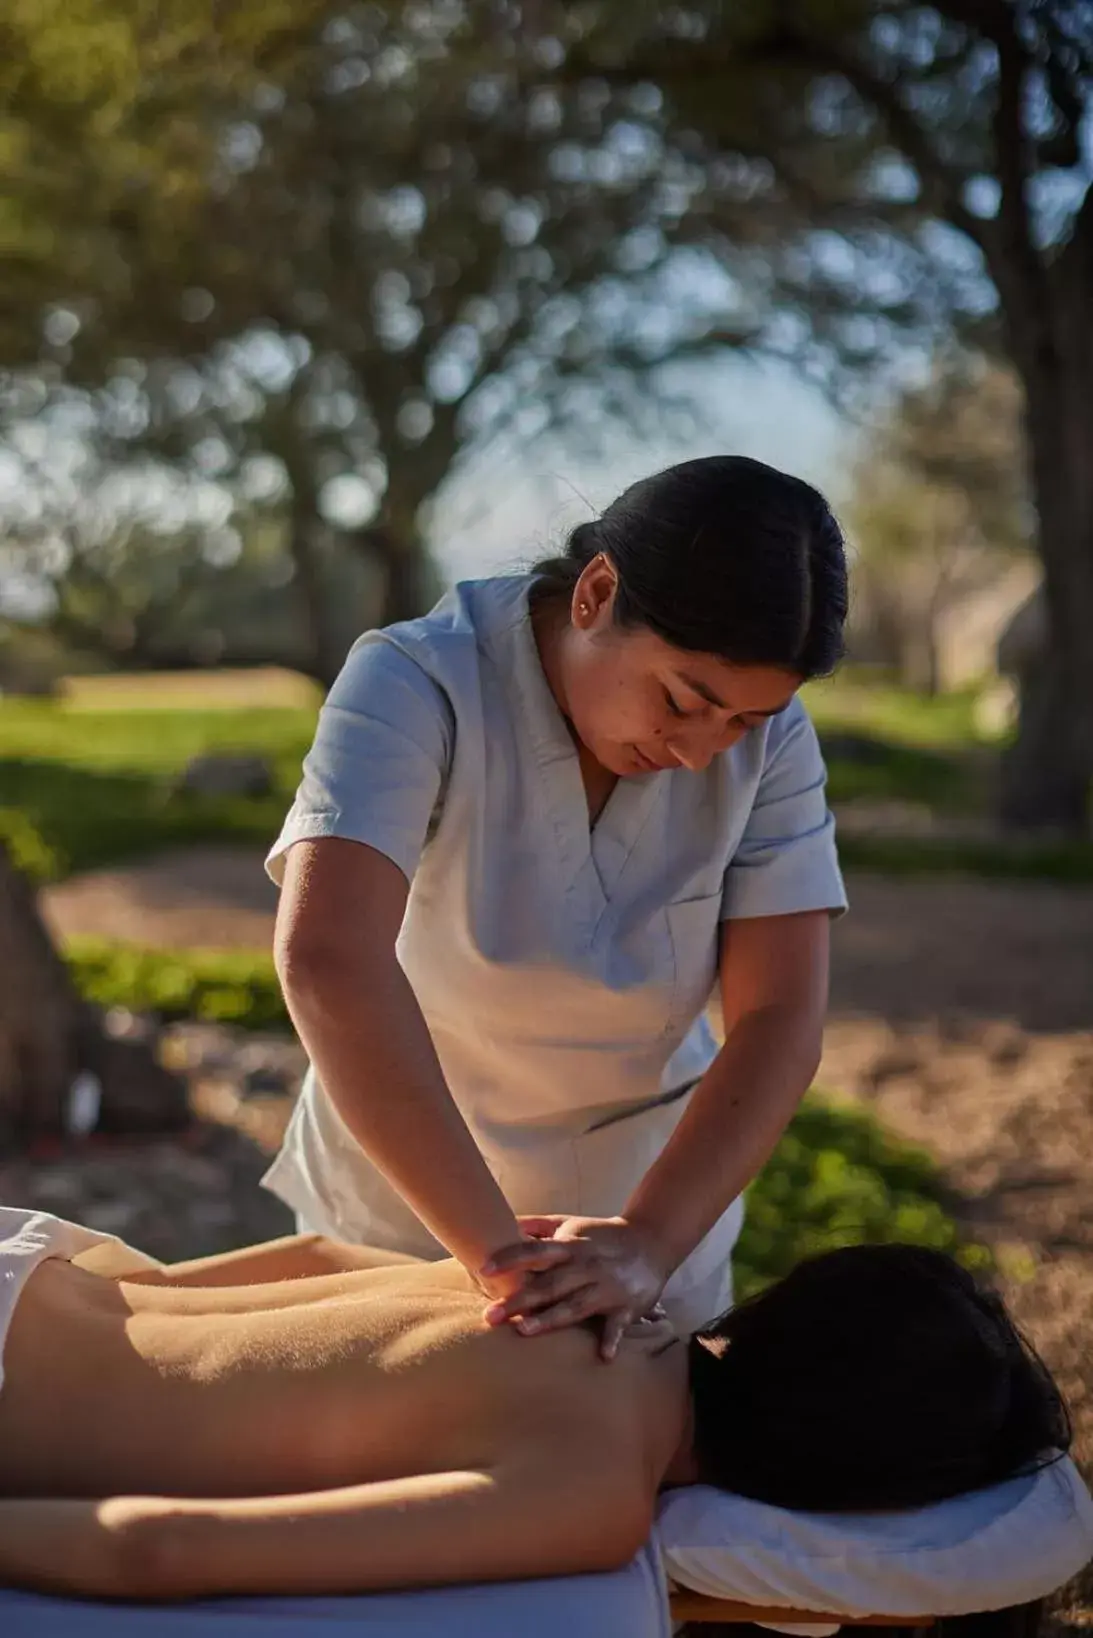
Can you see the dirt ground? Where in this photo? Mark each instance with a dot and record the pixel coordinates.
(962, 1011)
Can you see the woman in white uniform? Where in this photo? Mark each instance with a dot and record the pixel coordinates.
(537, 831)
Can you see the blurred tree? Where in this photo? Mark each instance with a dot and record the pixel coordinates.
(879, 172)
(380, 258)
(353, 238)
(938, 510)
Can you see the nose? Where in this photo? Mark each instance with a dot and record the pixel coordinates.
(696, 753)
(691, 759)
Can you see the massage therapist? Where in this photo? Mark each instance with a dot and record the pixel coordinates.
(537, 831)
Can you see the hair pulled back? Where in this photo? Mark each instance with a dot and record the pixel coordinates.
(721, 555)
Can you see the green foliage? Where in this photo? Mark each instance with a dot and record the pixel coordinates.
(26, 848)
(218, 986)
(92, 788)
(837, 1179)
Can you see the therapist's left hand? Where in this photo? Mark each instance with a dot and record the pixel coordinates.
(614, 1268)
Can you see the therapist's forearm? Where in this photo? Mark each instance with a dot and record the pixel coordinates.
(736, 1115)
(365, 1035)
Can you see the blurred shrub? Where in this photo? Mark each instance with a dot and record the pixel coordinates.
(838, 1178)
(26, 847)
(217, 986)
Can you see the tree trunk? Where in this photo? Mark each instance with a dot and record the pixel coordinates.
(1047, 775)
(40, 1017)
(324, 657)
(1045, 305)
(48, 1036)
(398, 551)
(1045, 783)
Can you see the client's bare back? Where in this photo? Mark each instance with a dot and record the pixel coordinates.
(171, 1382)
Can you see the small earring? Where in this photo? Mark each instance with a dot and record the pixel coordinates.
(582, 608)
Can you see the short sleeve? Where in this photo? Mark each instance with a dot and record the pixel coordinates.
(377, 763)
(786, 861)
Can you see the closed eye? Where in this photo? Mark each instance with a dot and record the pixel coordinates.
(673, 705)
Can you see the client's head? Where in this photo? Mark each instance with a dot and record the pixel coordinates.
(872, 1377)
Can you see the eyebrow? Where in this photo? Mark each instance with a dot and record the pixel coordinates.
(700, 687)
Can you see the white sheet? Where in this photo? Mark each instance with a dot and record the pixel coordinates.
(1005, 1545)
(630, 1603)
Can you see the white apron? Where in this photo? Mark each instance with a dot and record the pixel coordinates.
(562, 973)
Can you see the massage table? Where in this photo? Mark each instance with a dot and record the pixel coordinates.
(626, 1604)
(630, 1603)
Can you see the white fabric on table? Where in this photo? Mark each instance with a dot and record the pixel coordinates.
(1005, 1545)
(27, 1238)
(630, 1603)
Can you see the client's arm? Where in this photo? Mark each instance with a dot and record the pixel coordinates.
(293, 1257)
(550, 1518)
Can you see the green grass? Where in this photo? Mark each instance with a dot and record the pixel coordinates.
(95, 787)
(911, 748)
(148, 742)
(858, 701)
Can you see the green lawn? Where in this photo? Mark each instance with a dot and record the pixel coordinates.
(95, 786)
(856, 701)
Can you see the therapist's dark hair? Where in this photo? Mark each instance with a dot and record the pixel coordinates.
(721, 555)
(872, 1377)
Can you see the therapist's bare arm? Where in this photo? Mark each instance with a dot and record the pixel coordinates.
(774, 986)
(342, 905)
(542, 1514)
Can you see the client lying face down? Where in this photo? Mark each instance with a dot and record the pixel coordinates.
(255, 1424)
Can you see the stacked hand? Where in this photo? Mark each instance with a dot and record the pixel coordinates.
(571, 1268)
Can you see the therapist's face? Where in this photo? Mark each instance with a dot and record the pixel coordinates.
(641, 705)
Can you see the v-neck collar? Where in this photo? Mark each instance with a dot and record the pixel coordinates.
(593, 856)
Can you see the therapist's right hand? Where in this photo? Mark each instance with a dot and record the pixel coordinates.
(537, 1256)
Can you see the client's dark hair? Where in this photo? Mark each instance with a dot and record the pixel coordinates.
(721, 555)
(872, 1377)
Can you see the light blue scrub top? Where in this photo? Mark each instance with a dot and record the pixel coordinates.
(563, 972)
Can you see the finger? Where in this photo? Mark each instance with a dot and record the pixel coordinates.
(545, 1290)
(529, 1256)
(541, 1225)
(580, 1306)
(613, 1327)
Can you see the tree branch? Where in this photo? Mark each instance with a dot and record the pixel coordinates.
(1013, 153)
(939, 179)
